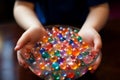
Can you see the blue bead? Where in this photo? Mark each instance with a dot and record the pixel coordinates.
(31, 60)
(71, 41)
(42, 50)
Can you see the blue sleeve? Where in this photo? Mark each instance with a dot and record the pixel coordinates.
(95, 2)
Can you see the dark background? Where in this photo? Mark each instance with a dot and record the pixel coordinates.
(10, 32)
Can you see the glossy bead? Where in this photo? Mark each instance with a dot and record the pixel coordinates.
(45, 39)
(42, 66)
(76, 30)
(50, 39)
(42, 50)
(75, 52)
(74, 66)
(70, 75)
(45, 55)
(31, 60)
(90, 68)
(53, 59)
(57, 53)
(84, 45)
(56, 77)
(79, 38)
(48, 46)
(55, 65)
(63, 65)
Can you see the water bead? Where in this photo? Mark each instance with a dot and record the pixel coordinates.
(63, 65)
(70, 75)
(57, 53)
(74, 66)
(42, 50)
(79, 38)
(45, 55)
(75, 52)
(31, 60)
(42, 65)
(48, 46)
(53, 59)
(55, 65)
(90, 68)
(85, 45)
(76, 30)
(56, 77)
(45, 39)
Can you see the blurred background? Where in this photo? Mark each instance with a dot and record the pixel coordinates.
(109, 68)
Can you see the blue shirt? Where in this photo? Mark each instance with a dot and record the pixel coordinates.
(69, 12)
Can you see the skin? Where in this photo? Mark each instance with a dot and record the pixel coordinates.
(27, 19)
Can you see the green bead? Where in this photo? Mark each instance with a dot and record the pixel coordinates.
(50, 39)
(79, 39)
(56, 66)
(73, 36)
(45, 55)
(56, 77)
(57, 53)
(77, 73)
(76, 30)
(85, 53)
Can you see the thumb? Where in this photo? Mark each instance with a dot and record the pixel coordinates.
(22, 41)
(97, 43)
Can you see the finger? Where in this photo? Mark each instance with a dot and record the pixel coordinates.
(21, 61)
(96, 64)
(22, 41)
(97, 43)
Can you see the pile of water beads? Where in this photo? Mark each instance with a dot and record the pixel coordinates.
(62, 55)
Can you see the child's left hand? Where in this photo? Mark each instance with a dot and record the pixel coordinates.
(91, 36)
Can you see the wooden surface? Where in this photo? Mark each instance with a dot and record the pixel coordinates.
(10, 69)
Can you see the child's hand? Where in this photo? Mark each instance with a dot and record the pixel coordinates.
(32, 35)
(27, 41)
(91, 36)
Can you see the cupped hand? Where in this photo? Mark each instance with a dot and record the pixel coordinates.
(92, 37)
(27, 41)
(30, 37)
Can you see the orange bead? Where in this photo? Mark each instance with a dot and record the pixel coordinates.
(90, 68)
(53, 59)
(63, 65)
(85, 45)
(42, 65)
(74, 66)
(75, 52)
(45, 39)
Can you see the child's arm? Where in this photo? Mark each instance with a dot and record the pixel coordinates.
(95, 21)
(26, 18)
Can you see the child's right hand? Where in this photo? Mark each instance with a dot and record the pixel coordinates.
(27, 41)
(29, 37)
